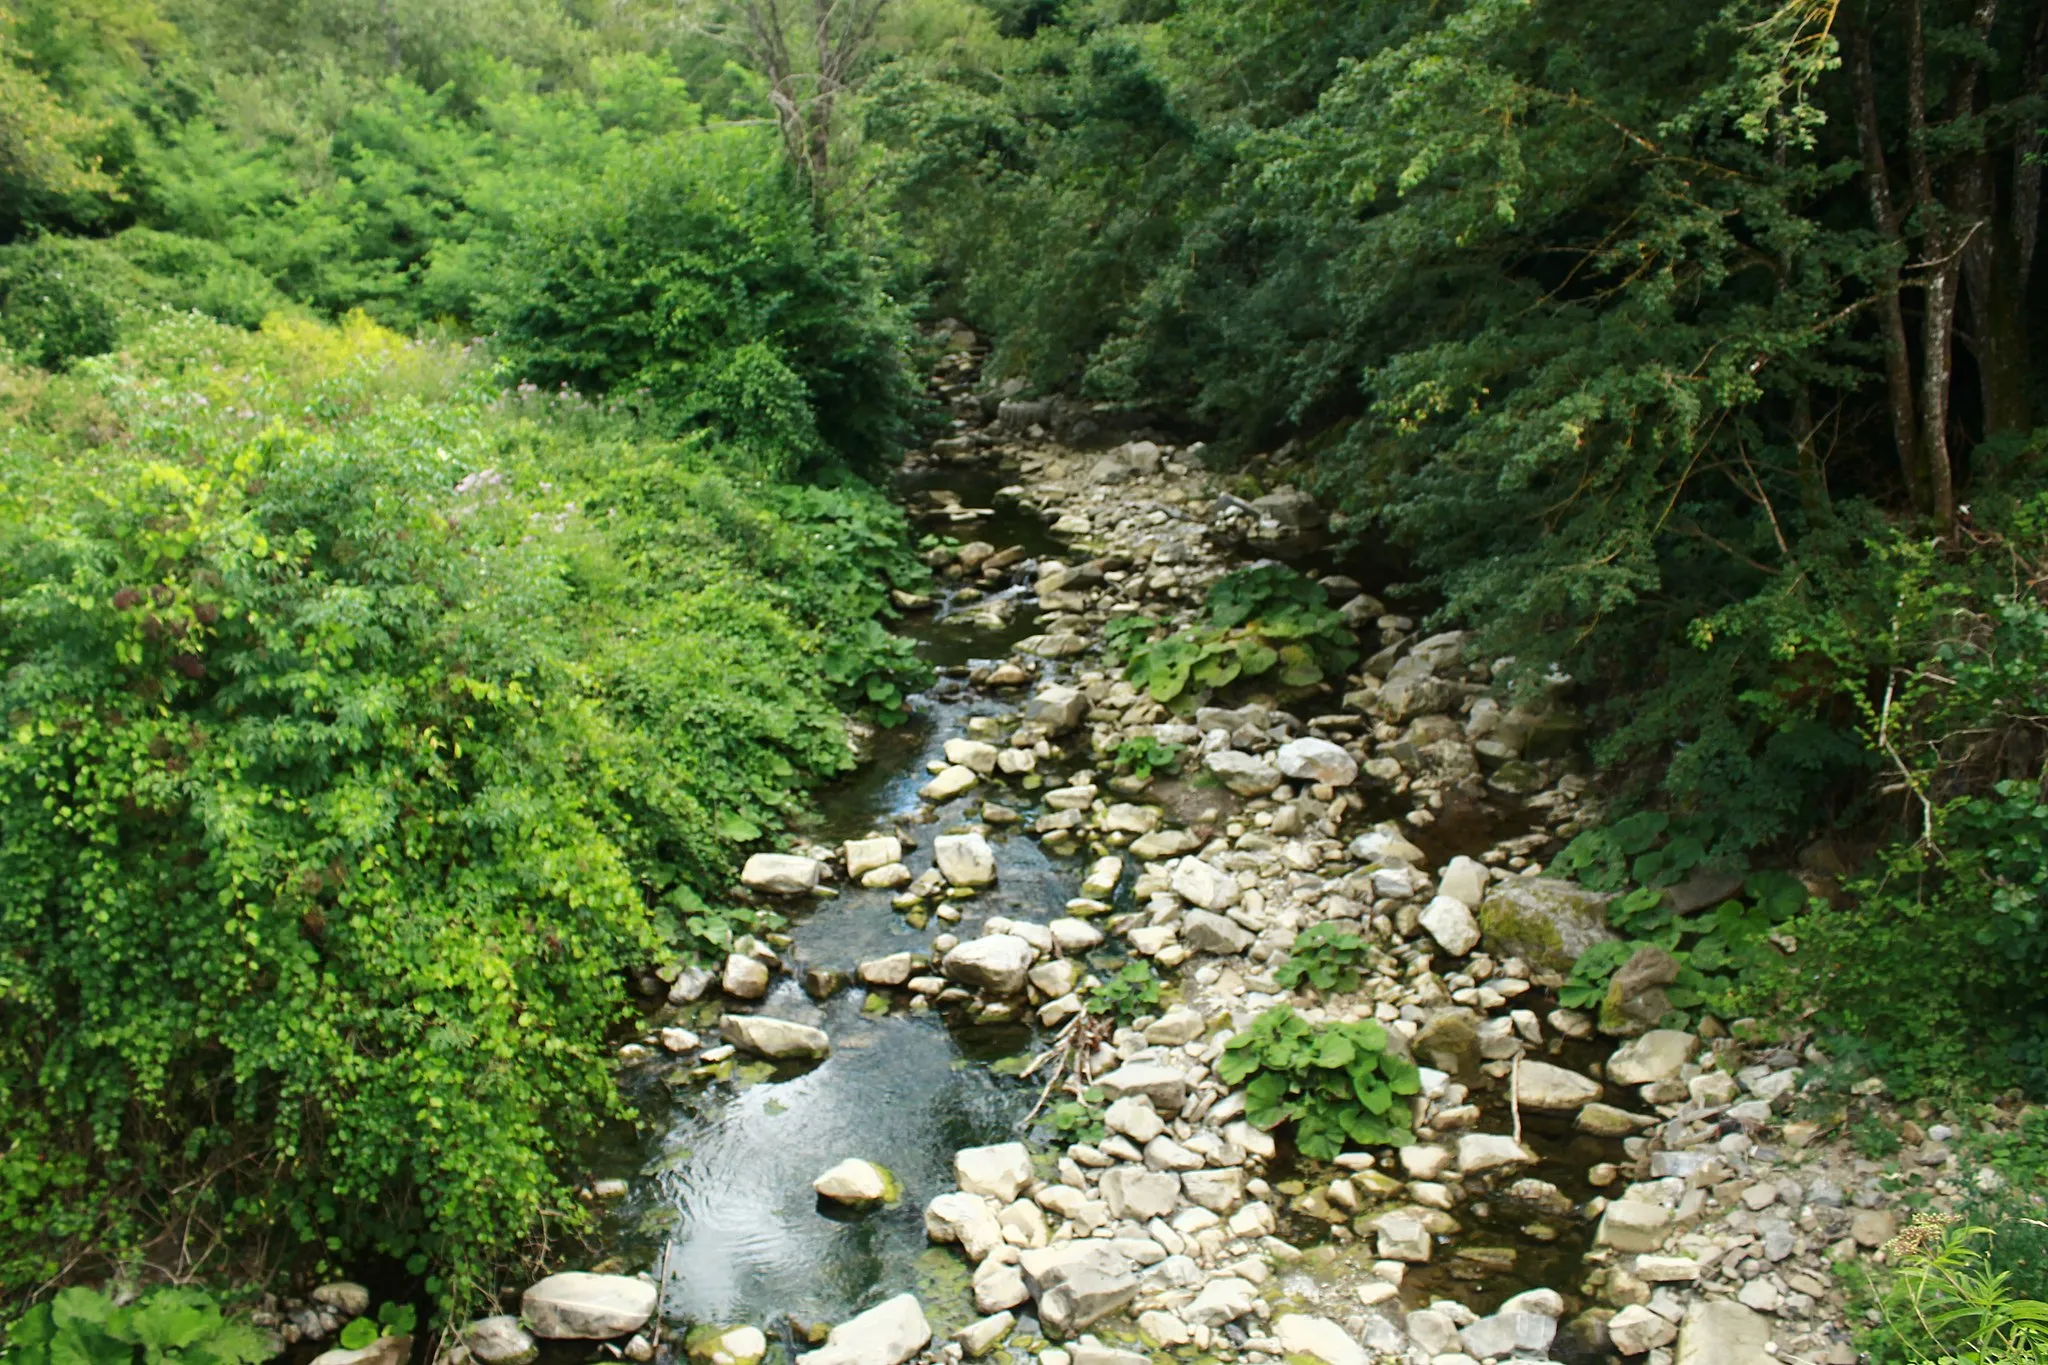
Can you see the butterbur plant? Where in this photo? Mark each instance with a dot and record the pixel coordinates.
(164, 1327)
(1329, 956)
(1263, 620)
(1338, 1084)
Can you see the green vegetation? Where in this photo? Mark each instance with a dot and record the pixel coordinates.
(1329, 956)
(1142, 756)
(161, 1327)
(1727, 961)
(1337, 1084)
(1266, 619)
(1128, 992)
(1675, 346)
(1948, 1306)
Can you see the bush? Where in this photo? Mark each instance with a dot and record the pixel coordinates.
(1947, 1306)
(1260, 620)
(362, 726)
(62, 298)
(691, 275)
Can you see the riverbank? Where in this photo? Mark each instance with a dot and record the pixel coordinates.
(1566, 1192)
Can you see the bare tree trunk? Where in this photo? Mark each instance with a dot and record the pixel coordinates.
(1898, 364)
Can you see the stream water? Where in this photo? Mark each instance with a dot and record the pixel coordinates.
(720, 1200)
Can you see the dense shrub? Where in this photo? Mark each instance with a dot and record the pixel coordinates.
(66, 297)
(362, 725)
(695, 277)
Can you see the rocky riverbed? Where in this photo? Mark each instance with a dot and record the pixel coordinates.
(1581, 1186)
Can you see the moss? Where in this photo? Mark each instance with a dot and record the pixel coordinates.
(945, 1289)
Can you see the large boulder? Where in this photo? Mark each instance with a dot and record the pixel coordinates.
(776, 1039)
(1077, 1284)
(1243, 773)
(1658, 1055)
(997, 963)
(1317, 760)
(1449, 921)
(1545, 922)
(578, 1306)
(856, 1184)
(780, 874)
(1057, 708)
(964, 859)
(887, 1334)
(1539, 1085)
(999, 1172)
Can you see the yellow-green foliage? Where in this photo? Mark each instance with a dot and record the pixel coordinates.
(363, 722)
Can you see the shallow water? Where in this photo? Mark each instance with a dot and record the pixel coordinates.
(721, 1198)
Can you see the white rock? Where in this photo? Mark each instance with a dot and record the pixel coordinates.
(1203, 886)
(887, 1334)
(968, 1219)
(865, 855)
(1486, 1151)
(1539, 1085)
(999, 963)
(1224, 1299)
(964, 859)
(1656, 1056)
(1635, 1330)
(1402, 1238)
(1451, 923)
(1301, 1335)
(744, 977)
(950, 782)
(776, 1039)
(1317, 760)
(1165, 1086)
(972, 753)
(980, 1337)
(854, 1182)
(1134, 1192)
(780, 874)
(1000, 1172)
(579, 1306)
(1721, 1332)
(1135, 1118)
(1242, 773)
(1463, 879)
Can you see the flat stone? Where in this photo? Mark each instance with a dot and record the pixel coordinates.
(1604, 1120)
(1001, 1172)
(1224, 1299)
(1872, 1228)
(1125, 818)
(1719, 1332)
(983, 1335)
(1655, 1056)
(1318, 1338)
(892, 970)
(499, 1340)
(972, 753)
(1164, 843)
(1166, 1086)
(382, 1351)
(964, 859)
(1489, 1151)
(1242, 773)
(576, 1305)
(1632, 1225)
(1539, 1085)
(866, 855)
(999, 963)
(950, 782)
(775, 1039)
(888, 1334)
(1136, 1193)
(780, 874)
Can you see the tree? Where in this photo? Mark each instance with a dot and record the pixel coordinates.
(810, 58)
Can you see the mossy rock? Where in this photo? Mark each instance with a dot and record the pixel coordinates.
(1545, 922)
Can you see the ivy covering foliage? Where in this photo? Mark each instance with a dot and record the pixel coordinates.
(363, 722)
